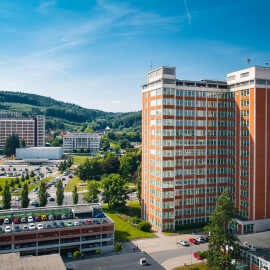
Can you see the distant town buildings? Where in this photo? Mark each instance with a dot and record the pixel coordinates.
(32, 130)
(200, 138)
(77, 141)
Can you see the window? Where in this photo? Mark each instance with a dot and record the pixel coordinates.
(168, 91)
(231, 78)
(245, 74)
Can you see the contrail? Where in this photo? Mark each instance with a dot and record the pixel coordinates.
(189, 17)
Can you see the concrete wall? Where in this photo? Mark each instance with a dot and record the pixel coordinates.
(52, 153)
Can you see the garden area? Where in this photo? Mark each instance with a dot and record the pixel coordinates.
(197, 266)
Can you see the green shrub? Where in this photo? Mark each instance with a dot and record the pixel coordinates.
(77, 254)
(202, 254)
(194, 268)
(135, 220)
(145, 226)
(117, 247)
(98, 251)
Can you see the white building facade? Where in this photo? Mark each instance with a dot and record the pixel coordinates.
(76, 141)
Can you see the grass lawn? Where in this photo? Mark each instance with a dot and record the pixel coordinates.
(123, 230)
(135, 208)
(79, 159)
(74, 181)
(199, 266)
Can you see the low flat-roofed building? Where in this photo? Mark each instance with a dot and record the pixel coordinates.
(39, 153)
(13, 261)
(80, 231)
(255, 250)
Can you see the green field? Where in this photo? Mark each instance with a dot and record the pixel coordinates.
(197, 266)
(77, 160)
(123, 230)
(74, 181)
(135, 208)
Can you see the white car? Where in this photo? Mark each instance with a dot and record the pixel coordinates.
(25, 228)
(6, 221)
(199, 239)
(183, 243)
(77, 223)
(8, 229)
(40, 227)
(32, 227)
(30, 219)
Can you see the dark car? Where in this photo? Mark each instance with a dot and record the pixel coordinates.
(1, 230)
(96, 221)
(70, 215)
(61, 224)
(54, 225)
(99, 215)
(58, 216)
(64, 216)
(47, 226)
(51, 199)
(83, 223)
(16, 229)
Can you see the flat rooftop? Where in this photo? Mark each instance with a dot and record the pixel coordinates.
(261, 241)
(13, 261)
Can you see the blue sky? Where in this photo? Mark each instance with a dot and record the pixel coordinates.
(96, 53)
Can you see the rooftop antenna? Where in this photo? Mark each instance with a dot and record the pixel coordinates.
(266, 64)
(151, 65)
(248, 62)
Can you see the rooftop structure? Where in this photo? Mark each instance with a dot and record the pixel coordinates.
(36, 153)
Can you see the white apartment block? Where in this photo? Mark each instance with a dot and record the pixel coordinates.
(76, 141)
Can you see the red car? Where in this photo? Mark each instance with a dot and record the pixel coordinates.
(63, 179)
(193, 241)
(89, 222)
(16, 221)
(196, 256)
(37, 218)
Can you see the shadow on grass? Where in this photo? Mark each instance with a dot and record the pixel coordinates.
(121, 235)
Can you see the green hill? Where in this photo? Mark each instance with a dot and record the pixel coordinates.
(63, 115)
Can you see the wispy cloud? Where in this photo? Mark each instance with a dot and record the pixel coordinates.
(44, 5)
(188, 14)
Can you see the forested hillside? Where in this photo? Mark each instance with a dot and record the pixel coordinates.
(60, 115)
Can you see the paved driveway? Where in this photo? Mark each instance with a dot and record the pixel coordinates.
(164, 249)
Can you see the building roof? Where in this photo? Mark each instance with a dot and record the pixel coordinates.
(13, 261)
(261, 241)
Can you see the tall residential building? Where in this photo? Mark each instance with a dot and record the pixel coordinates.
(200, 138)
(75, 141)
(32, 130)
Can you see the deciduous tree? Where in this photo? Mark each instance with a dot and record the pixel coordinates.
(6, 197)
(24, 196)
(59, 193)
(75, 197)
(42, 194)
(92, 192)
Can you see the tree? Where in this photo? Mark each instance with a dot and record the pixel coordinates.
(92, 192)
(117, 247)
(105, 144)
(77, 254)
(1, 188)
(139, 183)
(17, 181)
(32, 174)
(6, 197)
(12, 142)
(23, 144)
(42, 194)
(145, 226)
(19, 185)
(129, 163)
(114, 192)
(27, 176)
(89, 169)
(59, 193)
(111, 164)
(24, 196)
(62, 166)
(81, 150)
(22, 178)
(69, 162)
(75, 195)
(11, 184)
(116, 148)
(223, 246)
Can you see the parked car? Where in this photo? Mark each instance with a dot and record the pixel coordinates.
(23, 220)
(70, 215)
(104, 220)
(83, 223)
(6, 221)
(193, 241)
(48, 226)
(8, 229)
(25, 228)
(205, 238)
(199, 239)
(44, 217)
(32, 227)
(37, 218)
(64, 216)
(69, 224)
(61, 224)
(63, 178)
(16, 221)
(16, 228)
(51, 217)
(183, 243)
(51, 199)
(30, 219)
(1, 230)
(195, 254)
(40, 227)
(70, 175)
(89, 222)
(96, 221)
(18, 198)
(54, 225)
(48, 195)
(77, 223)
(99, 215)
(58, 216)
